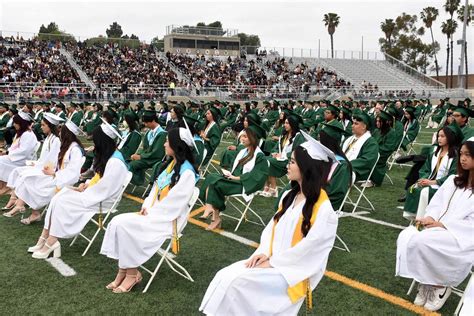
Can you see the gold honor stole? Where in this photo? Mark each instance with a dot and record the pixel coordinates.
(303, 288)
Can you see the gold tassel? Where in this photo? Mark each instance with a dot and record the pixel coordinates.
(100, 216)
(309, 297)
(175, 241)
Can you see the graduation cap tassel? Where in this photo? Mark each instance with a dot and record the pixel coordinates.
(175, 241)
(309, 297)
(100, 216)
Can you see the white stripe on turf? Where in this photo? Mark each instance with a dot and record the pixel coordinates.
(376, 221)
(61, 266)
(242, 240)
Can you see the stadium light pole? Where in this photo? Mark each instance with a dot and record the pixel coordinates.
(463, 49)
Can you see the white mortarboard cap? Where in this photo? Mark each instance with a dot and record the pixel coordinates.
(73, 128)
(192, 136)
(25, 116)
(316, 150)
(53, 118)
(109, 130)
(187, 137)
(470, 139)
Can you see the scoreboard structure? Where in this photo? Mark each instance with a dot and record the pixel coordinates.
(197, 40)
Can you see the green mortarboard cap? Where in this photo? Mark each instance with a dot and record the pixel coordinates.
(410, 109)
(346, 111)
(467, 100)
(464, 111)
(334, 131)
(296, 117)
(331, 107)
(385, 115)
(149, 113)
(456, 130)
(254, 117)
(257, 130)
(215, 112)
(364, 117)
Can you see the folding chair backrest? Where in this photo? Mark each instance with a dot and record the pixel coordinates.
(203, 158)
(190, 205)
(373, 168)
(125, 183)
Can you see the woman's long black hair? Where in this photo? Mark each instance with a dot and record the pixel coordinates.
(24, 125)
(332, 144)
(131, 123)
(462, 179)
(67, 138)
(104, 147)
(314, 174)
(384, 126)
(182, 152)
(453, 142)
(295, 128)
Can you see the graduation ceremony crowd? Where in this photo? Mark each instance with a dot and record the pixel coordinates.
(315, 150)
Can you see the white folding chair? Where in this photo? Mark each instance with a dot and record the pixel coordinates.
(236, 199)
(361, 193)
(410, 145)
(106, 214)
(168, 257)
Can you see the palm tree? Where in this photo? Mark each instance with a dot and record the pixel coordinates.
(428, 16)
(452, 6)
(331, 20)
(388, 27)
(470, 10)
(448, 28)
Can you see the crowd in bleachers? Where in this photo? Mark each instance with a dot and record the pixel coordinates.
(321, 149)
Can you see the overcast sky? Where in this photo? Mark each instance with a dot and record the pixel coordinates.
(296, 24)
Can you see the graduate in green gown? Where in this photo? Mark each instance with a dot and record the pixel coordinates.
(152, 150)
(395, 124)
(230, 117)
(438, 114)
(131, 138)
(461, 116)
(95, 120)
(385, 136)
(441, 163)
(278, 159)
(345, 117)
(361, 148)
(60, 110)
(331, 115)
(411, 127)
(308, 115)
(73, 114)
(248, 175)
(176, 115)
(277, 130)
(4, 118)
(211, 134)
(270, 117)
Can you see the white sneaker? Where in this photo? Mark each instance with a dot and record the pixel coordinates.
(422, 295)
(437, 297)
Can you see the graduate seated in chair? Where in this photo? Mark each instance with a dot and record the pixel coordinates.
(361, 148)
(211, 134)
(131, 137)
(441, 163)
(438, 251)
(294, 247)
(21, 150)
(58, 167)
(133, 238)
(386, 138)
(248, 175)
(152, 150)
(411, 126)
(73, 207)
(280, 154)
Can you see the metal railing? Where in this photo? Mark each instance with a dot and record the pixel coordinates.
(413, 72)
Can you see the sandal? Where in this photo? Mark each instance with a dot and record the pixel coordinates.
(205, 215)
(8, 207)
(28, 220)
(215, 224)
(113, 285)
(14, 211)
(138, 278)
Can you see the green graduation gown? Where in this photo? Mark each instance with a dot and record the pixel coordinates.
(339, 183)
(269, 120)
(229, 120)
(278, 167)
(218, 187)
(387, 145)
(150, 154)
(365, 159)
(411, 133)
(214, 137)
(131, 144)
(76, 118)
(4, 118)
(427, 172)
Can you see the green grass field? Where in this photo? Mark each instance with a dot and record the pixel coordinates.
(31, 286)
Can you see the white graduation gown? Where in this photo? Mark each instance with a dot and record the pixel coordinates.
(37, 189)
(237, 290)
(21, 150)
(70, 210)
(439, 256)
(132, 239)
(49, 155)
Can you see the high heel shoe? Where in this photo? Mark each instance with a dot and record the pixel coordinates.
(39, 245)
(54, 248)
(14, 211)
(215, 224)
(28, 220)
(205, 215)
(113, 285)
(121, 289)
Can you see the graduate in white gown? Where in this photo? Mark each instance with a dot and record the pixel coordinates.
(21, 150)
(35, 186)
(133, 238)
(441, 254)
(72, 208)
(49, 153)
(294, 247)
